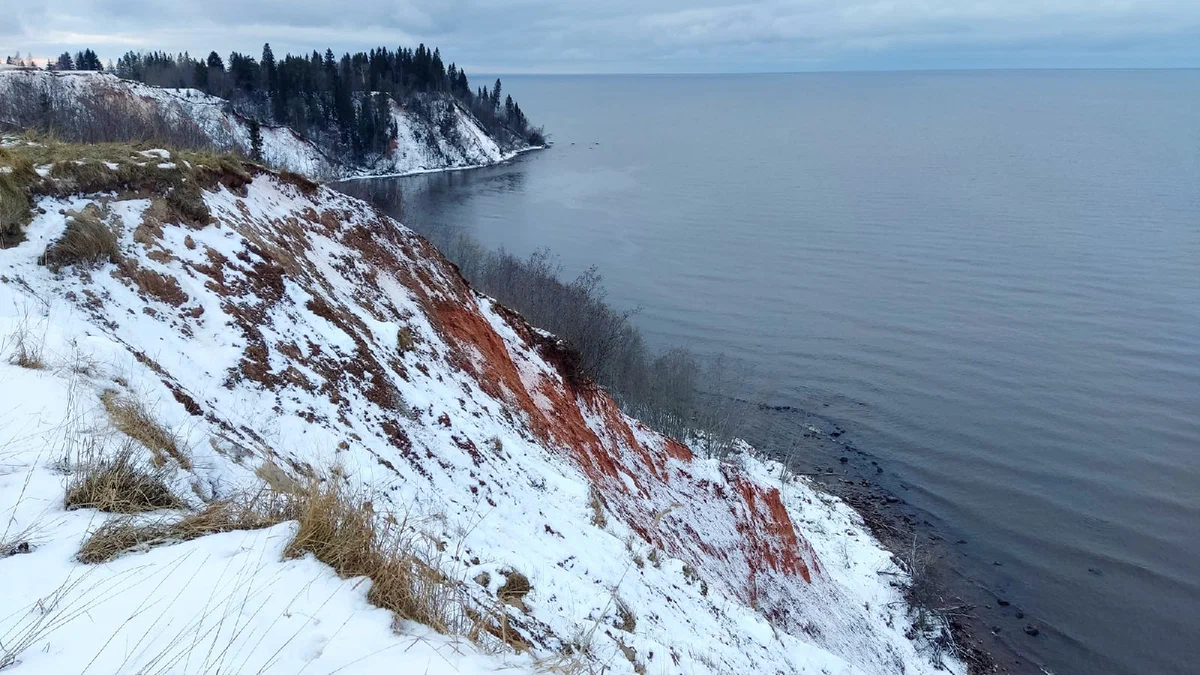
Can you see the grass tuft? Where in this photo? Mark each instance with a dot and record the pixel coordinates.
(339, 529)
(132, 418)
(118, 484)
(86, 241)
(123, 535)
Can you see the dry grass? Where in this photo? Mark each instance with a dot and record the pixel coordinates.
(516, 587)
(339, 528)
(405, 340)
(118, 484)
(122, 535)
(86, 241)
(27, 350)
(109, 167)
(596, 501)
(133, 418)
(628, 620)
(15, 200)
(306, 186)
(185, 203)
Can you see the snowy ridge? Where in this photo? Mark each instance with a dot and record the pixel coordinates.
(421, 145)
(304, 330)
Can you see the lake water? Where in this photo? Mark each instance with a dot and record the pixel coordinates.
(991, 280)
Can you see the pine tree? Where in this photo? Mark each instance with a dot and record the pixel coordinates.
(65, 62)
(496, 95)
(256, 141)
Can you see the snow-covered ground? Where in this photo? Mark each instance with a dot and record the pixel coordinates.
(421, 145)
(308, 331)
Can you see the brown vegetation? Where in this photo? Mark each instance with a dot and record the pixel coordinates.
(132, 418)
(339, 529)
(86, 241)
(118, 484)
(122, 535)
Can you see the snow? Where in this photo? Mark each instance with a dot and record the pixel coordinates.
(499, 483)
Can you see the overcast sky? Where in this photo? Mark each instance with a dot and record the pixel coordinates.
(627, 36)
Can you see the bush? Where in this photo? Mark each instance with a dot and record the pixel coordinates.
(118, 484)
(186, 204)
(86, 241)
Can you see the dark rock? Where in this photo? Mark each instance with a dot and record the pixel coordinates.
(1095, 571)
(1020, 614)
(961, 541)
(1002, 602)
(878, 469)
(843, 460)
(1031, 630)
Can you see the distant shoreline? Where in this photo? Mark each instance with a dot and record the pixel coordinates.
(447, 169)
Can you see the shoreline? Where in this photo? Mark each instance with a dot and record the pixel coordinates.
(859, 478)
(508, 157)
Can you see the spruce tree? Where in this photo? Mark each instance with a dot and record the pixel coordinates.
(256, 141)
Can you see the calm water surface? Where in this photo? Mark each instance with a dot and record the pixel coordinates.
(991, 279)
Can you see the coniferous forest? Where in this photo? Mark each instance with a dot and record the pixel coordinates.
(341, 103)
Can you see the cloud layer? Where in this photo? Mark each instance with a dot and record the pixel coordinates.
(638, 35)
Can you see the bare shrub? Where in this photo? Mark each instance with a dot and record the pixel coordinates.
(86, 241)
(676, 391)
(306, 186)
(131, 417)
(118, 483)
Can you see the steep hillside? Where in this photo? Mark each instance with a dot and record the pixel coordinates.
(441, 136)
(263, 333)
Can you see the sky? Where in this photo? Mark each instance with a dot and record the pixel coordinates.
(637, 36)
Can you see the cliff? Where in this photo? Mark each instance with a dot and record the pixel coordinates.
(265, 333)
(441, 135)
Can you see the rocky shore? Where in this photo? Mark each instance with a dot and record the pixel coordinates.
(986, 628)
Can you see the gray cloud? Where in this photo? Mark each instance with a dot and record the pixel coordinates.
(633, 35)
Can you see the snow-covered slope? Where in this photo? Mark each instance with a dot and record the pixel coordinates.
(301, 331)
(422, 144)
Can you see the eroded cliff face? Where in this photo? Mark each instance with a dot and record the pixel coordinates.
(302, 329)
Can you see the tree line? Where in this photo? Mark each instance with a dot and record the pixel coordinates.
(341, 103)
